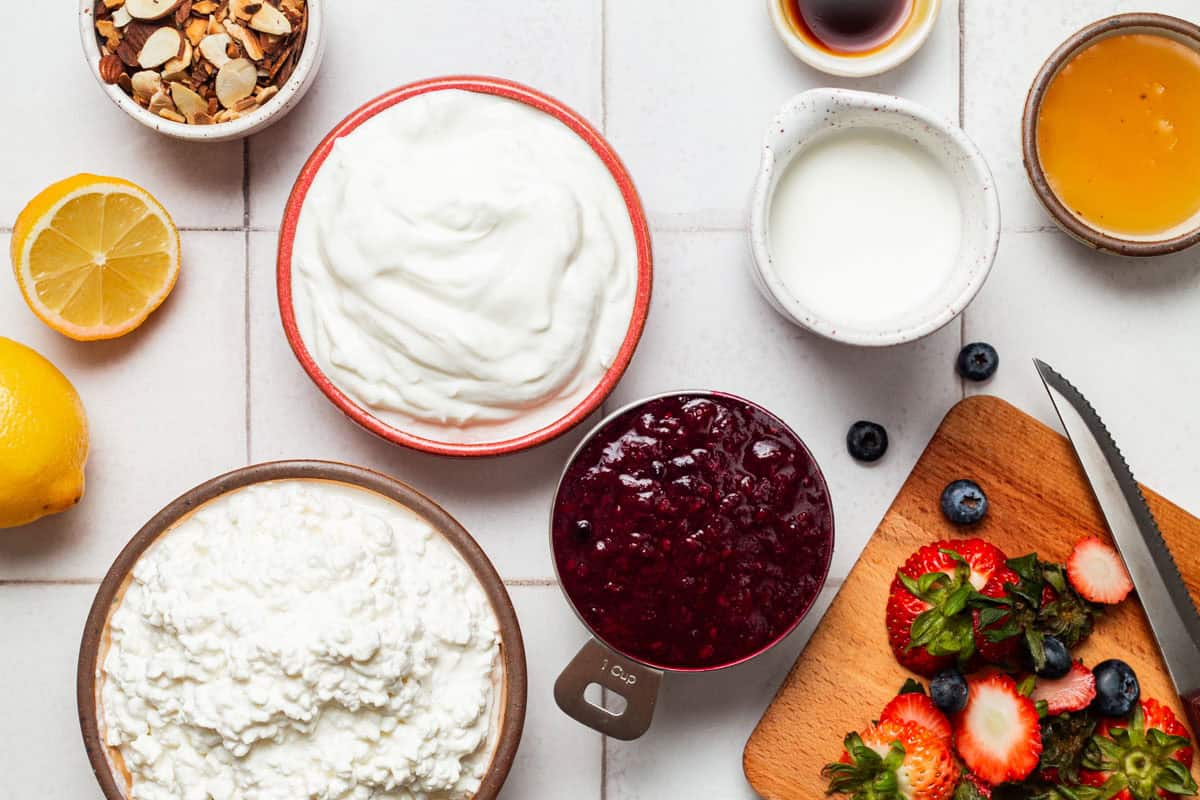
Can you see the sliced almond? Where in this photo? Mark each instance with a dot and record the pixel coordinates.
(108, 29)
(161, 47)
(161, 101)
(269, 19)
(244, 9)
(213, 48)
(177, 68)
(214, 25)
(247, 38)
(188, 102)
(204, 7)
(294, 7)
(121, 17)
(146, 83)
(151, 9)
(111, 4)
(236, 80)
(195, 30)
(203, 118)
(172, 115)
(265, 93)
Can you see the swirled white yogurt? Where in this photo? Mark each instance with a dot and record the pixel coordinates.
(464, 267)
(301, 639)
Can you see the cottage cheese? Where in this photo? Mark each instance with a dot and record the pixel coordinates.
(464, 267)
(302, 639)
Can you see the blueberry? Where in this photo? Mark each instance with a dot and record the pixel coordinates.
(964, 503)
(867, 441)
(1117, 688)
(949, 691)
(1058, 659)
(978, 361)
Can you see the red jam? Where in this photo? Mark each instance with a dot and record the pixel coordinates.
(693, 531)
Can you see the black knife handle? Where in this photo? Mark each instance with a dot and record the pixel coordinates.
(1191, 704)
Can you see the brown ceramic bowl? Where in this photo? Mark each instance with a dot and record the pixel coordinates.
(1097, 238)
(107, 762)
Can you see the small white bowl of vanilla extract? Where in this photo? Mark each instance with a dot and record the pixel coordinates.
(854, 38)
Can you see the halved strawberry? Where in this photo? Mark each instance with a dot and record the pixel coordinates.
(902, 761)
(1098, 573)
(1148, 756)
(1073, 692)
(998, 734)
(929, 626)
(918, 708)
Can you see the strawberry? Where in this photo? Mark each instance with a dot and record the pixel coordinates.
(1074, 692)
(1023, 603)
(1004, 650)
(894, 761)
(998, 734)
(1098, 573)
(929, 626)
(1148, 757)
(972, 788)
(918, 708)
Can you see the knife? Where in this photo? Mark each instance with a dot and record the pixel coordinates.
(1164, 596)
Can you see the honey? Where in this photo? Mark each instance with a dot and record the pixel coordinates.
(849, 27)
(1118, 134)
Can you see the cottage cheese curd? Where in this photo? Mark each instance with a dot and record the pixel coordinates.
(464, 267)
(301, 639)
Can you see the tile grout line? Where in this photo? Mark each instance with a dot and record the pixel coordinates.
(963, 124)
(246, 285)
(9, 582)
(604, 66)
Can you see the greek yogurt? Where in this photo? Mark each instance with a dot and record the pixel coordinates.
(464, 267)
(301, 639)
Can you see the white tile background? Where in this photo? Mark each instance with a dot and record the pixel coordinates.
(683, 89)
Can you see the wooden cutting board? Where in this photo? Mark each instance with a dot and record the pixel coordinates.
(1039, 501)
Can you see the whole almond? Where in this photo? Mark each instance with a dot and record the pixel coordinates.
(111, 68)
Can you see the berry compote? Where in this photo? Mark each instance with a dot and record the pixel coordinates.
(692, 531)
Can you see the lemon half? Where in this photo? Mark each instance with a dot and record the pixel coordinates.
(95, 256)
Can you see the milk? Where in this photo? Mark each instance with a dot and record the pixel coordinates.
(865, 226)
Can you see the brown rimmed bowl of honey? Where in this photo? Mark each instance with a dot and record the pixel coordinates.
(1111, 135)
(854, 38)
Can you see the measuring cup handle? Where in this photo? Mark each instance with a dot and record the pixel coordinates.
(636, 683)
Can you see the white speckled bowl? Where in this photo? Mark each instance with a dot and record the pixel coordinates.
(817, 113)
(289, 94)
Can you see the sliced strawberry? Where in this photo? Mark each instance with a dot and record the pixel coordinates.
(1148, 756)
(928, 625)
(920, 709)
(1073, 692)
(998, 734)
(917, 764)
(1098, 573)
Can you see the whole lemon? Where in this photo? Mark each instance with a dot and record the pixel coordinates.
(43, 437)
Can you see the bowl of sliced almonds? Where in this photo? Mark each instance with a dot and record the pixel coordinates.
(204, 70)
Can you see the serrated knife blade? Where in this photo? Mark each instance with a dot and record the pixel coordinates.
(1163, 594)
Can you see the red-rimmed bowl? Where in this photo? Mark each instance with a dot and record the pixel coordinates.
(637, 217)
